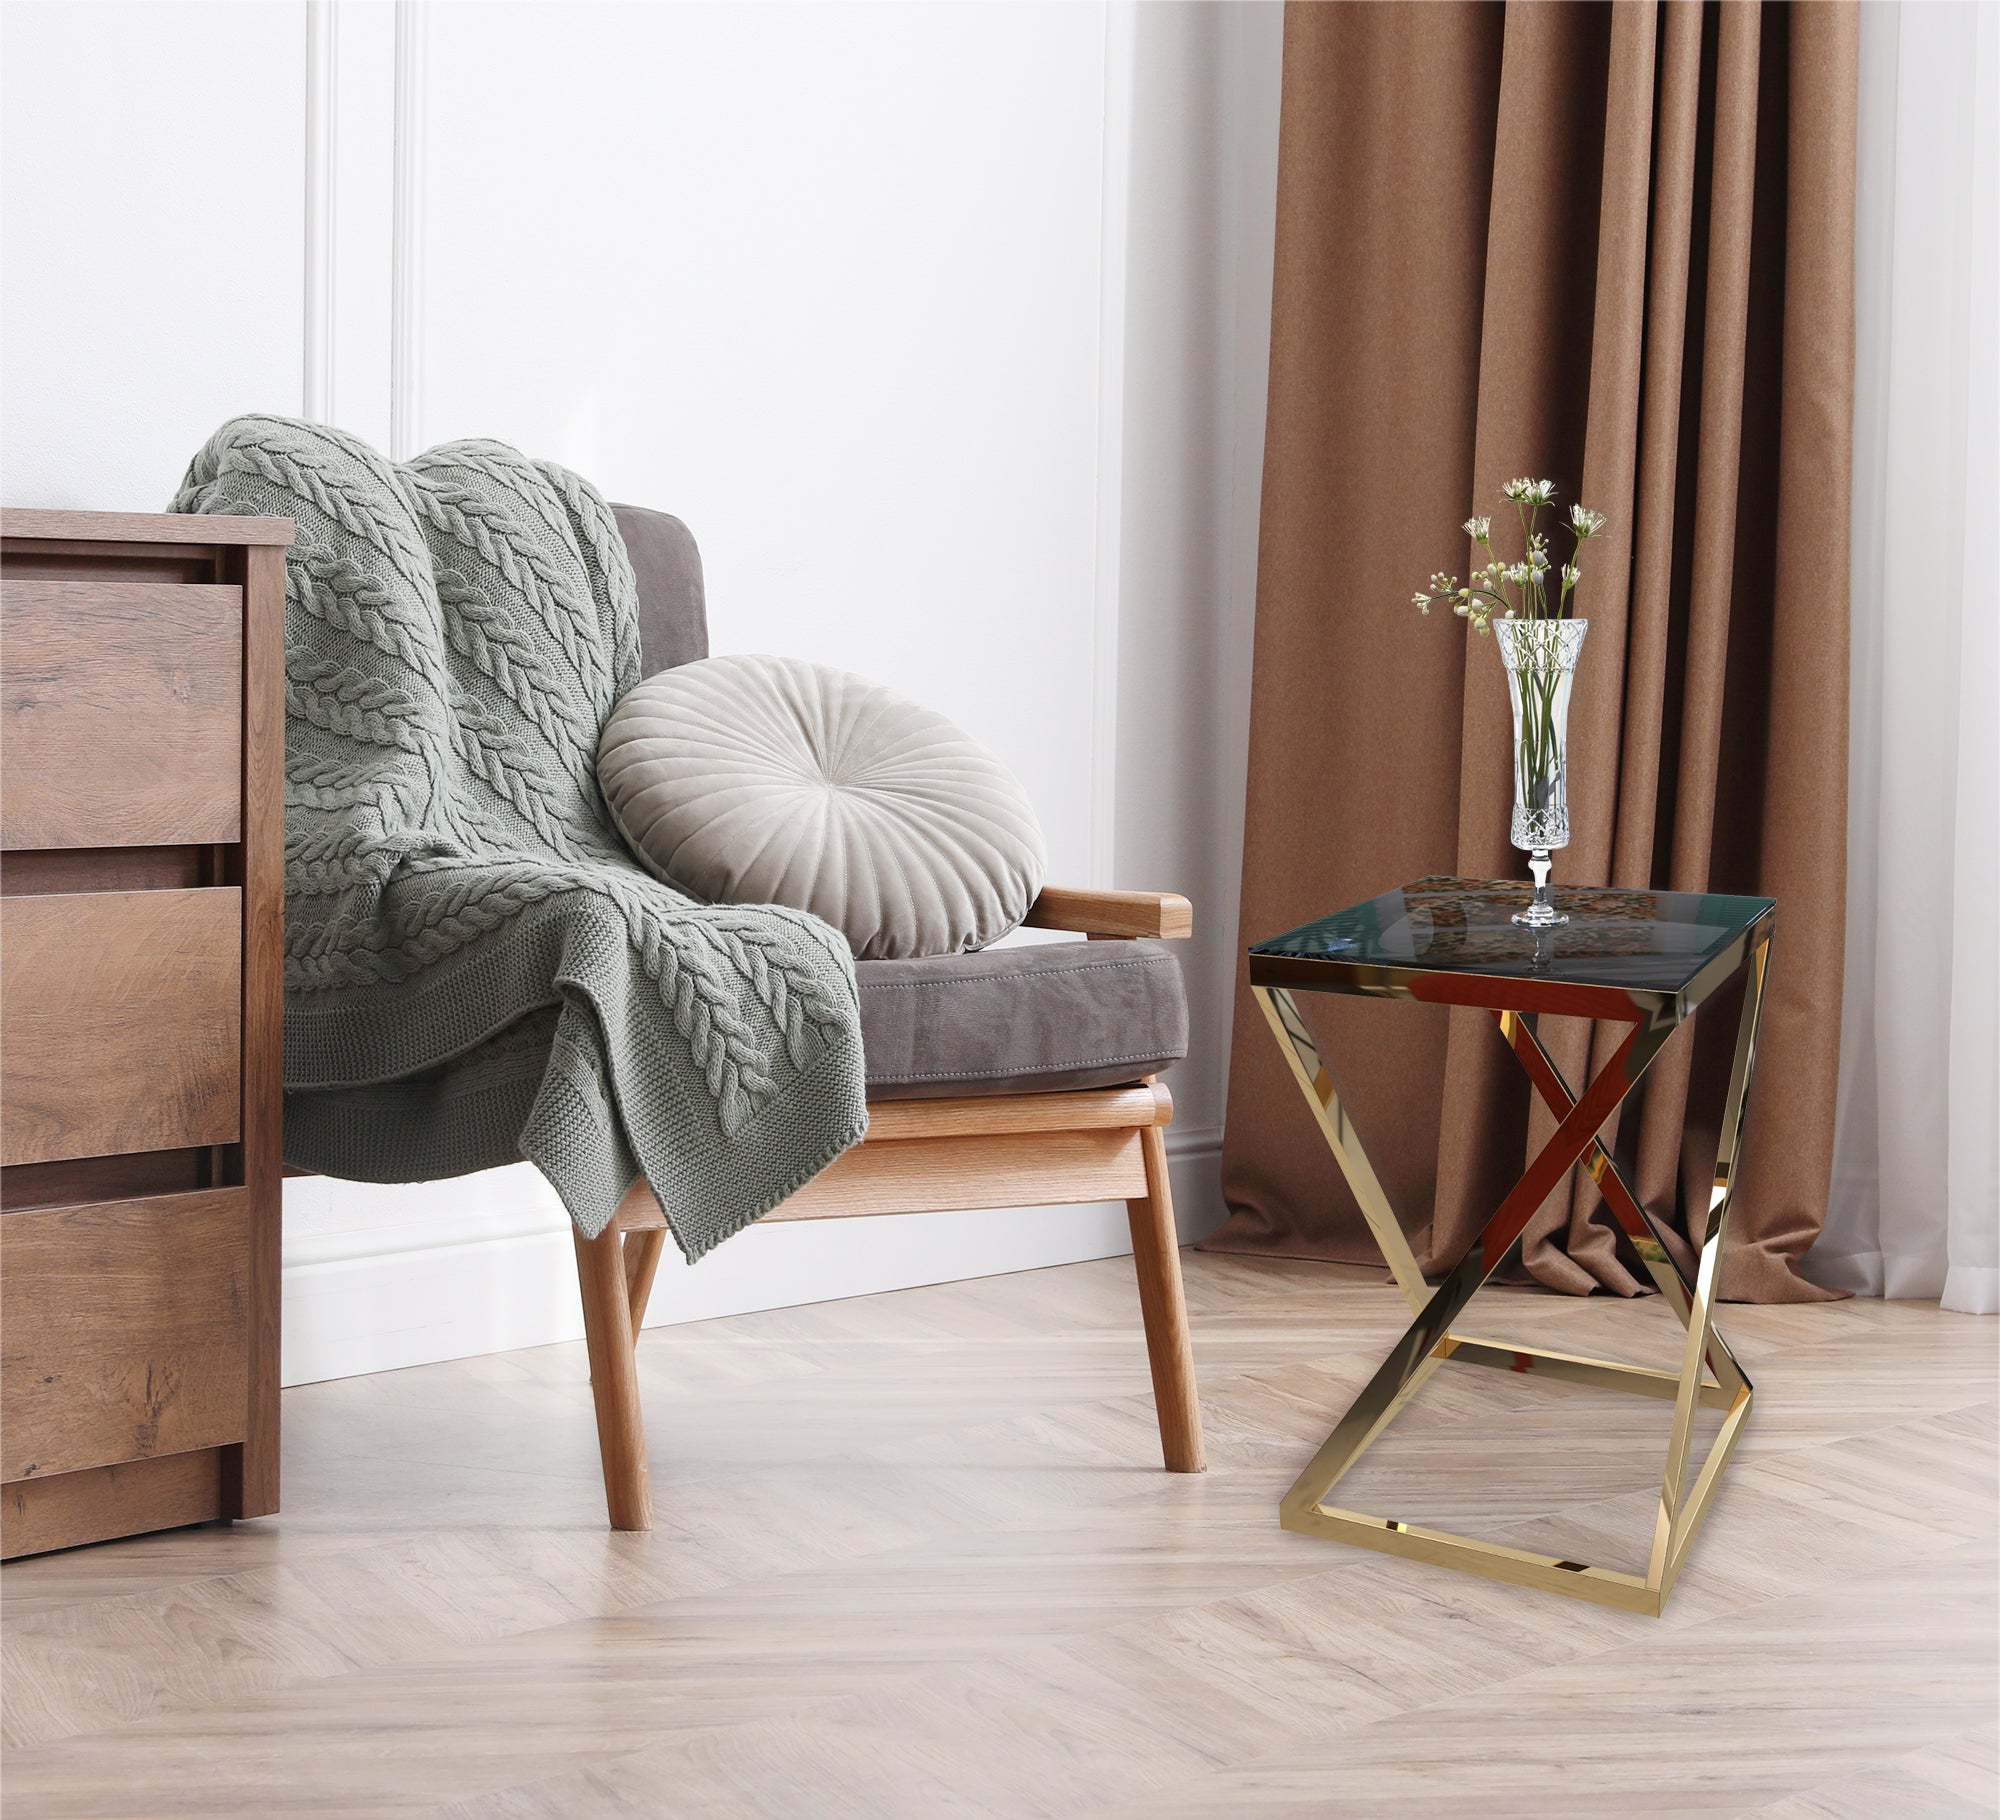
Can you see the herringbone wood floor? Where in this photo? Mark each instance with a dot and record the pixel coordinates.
(915, 1559)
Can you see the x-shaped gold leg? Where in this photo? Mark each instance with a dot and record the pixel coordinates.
(1429, 1341)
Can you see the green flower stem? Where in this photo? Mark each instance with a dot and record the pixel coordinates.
(1535, 751)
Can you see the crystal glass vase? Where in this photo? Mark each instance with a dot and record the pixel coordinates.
(1540, 655)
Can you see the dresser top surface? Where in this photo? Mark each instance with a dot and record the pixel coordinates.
(142, 527)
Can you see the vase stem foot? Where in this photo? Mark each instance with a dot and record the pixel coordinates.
(1541, 912)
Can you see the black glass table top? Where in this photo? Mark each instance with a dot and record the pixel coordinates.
(1645, 941)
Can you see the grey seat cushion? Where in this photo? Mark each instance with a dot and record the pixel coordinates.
(1020, 1020)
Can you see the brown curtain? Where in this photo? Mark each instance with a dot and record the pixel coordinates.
(1611, 245)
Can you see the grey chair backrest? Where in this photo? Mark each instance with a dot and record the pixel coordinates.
(673, 610)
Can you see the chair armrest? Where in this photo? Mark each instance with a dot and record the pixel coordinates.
(1112, 914)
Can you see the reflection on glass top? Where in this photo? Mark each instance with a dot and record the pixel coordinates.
(1653, 941)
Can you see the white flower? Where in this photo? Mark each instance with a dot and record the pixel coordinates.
(1585, 522)
(1517, 573)
(1526, 492)
(1571, 575)
(1480, 530)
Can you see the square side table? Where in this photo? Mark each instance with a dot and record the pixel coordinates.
(1646, 959)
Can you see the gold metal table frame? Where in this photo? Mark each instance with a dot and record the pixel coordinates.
(1515, 1003)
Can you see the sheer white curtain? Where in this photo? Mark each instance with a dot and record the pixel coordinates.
(1915, 1208)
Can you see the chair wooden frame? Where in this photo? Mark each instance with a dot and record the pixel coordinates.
(926, 1156)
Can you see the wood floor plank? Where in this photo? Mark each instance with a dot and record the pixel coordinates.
(1667, 1724)
(1951, 1781)
(915, 1557)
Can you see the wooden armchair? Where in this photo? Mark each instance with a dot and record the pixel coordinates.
(1014, 1077)
(927, 1155)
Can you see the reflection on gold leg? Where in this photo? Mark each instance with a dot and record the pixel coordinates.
(1295, 1043)
(1429, 1340)
(1681, 1511)
(1633, 1219)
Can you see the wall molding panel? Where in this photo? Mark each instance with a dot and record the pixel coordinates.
(321, 106)
(349, 134)
(1115, 222)
(406, 259)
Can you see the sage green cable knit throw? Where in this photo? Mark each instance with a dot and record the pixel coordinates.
(475, 972)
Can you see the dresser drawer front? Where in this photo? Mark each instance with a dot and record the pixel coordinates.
(121, 708)
(123, 1014)
(124, 1330)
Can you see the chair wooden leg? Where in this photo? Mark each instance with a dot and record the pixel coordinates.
(642, 1264)
(1156, 1253)
(614, 1377)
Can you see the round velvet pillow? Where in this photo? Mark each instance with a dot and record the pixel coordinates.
(763, 780)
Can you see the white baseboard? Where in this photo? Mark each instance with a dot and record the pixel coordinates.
(380, 1278)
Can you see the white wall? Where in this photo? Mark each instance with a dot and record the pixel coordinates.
(152, 195)
(943, 326)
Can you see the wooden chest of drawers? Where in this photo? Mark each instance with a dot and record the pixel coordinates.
(141, 1021)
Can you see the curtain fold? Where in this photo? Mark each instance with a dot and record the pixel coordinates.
(1611, 245)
